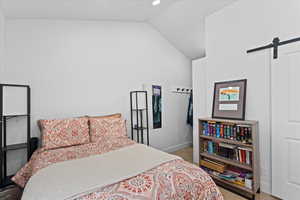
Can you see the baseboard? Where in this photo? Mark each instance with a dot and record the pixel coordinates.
(177, 147)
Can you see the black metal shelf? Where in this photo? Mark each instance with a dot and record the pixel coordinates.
(15, 147)
(21, 115)
(4, 148)
(139, 127)
(140, 109)
(15, 116)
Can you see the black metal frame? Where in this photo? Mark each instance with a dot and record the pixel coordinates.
(275, 44)
(243, 103)
(4, 179)
(139, 127)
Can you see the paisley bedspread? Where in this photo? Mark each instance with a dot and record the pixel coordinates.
(174, 180)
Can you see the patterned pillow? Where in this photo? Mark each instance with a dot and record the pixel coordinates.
(103, 128)
(65, 132)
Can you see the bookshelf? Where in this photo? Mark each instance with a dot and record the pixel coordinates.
(233, 146)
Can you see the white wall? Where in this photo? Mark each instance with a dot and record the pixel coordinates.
(229, 33)
(88, 68)
(199, 100)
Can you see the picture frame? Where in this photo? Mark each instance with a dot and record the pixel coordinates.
(157, 106)
(229, 101)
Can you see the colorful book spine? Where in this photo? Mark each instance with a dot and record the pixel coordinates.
(210, 147)
(218, 135)
(242, 133)
(234, 133)
(231, 132)
(227, 132)
(222, 131)
(238, 133)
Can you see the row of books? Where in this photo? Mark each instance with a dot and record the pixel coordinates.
(233, 152)
(234, 175)
(241, 133)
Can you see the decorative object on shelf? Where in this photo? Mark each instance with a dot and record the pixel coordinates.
(139, 115)
(230, 100)
(14, 102)
(156, 106)
(229, 152)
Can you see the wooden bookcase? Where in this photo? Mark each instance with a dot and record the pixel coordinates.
(253, 168)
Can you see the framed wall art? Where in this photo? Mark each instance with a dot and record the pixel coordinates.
(156, 106)
(230, 100)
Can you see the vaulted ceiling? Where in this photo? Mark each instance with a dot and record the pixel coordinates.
(181, 22)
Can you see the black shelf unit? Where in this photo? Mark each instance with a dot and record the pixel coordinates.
(138, 125)
(4, 148)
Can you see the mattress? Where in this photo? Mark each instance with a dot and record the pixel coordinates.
(174, 179)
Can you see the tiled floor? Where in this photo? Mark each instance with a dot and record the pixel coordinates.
(187, 154)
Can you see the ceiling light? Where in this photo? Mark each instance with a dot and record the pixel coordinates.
(156, 2)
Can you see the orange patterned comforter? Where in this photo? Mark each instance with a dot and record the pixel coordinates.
(174, 180)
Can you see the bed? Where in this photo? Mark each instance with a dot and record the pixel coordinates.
(113, 168)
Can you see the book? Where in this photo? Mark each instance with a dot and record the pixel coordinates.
(218, 130)
(210, 147)
(234, 133)
(213, 165)
(248, 157)
(238, 133)
(222, 131)
(240, 155)
(225, 145)
(248, 183)
(245, 148)
(231, 132)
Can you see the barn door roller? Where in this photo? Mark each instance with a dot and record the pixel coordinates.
(275, 44)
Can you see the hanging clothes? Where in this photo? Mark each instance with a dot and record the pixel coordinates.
(190, 111)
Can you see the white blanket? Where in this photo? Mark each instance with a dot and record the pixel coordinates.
(71, 179)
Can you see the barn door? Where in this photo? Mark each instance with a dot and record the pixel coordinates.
(285, 89)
